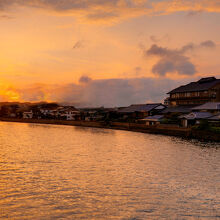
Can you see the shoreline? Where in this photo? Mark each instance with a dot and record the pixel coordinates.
(186, 133)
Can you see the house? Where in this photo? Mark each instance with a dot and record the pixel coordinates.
(153, 120)
(48, 110)
(194, 118)
(172, 113)
(98, 114)
(196, 93)
(177, 109)
(213, 107)
(68, 113)
(27, 115)
(140, 111)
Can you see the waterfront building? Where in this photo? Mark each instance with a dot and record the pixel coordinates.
(152, 120)
(213, 107)
(28, 115)
(97, 114)
(194, 118)
(140, 111)
(196, 93)
(69, 113)
(215, 120)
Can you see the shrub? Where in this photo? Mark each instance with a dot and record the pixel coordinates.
(215, 129)
(203, 125)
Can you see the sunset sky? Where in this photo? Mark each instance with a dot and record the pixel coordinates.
(105, 52)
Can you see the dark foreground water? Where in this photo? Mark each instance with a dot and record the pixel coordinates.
(61, 172)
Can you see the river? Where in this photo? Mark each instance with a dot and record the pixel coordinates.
(64, 172)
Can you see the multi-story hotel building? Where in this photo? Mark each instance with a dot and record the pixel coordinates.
(196, 93)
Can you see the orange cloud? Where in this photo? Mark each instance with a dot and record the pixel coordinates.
(8, 93)
(115, 10)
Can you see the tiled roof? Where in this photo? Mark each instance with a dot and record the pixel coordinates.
(201, 85)
(197, 115)
(139, 108)
(178, 109)
(215, 117)
(208, 106)
(154, 117)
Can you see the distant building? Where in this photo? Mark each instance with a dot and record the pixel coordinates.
(152, 120)
(213, 107)
(177, 110)
(28, 114)
(196, 93)
(141, 110)
(194, 118)
(69, 113)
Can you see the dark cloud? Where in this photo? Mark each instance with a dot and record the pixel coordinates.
(106, 9)
(194, 13)
(102, 15)
(85, 79)
(156, 39)
(108, 93)
(175, 60)
(78, 44)
(89, 9)
(64, 5)
(208, 43)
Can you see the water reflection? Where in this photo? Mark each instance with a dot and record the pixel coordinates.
(50, 171)
(95, 130)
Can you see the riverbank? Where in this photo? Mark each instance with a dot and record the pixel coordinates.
(159, 129)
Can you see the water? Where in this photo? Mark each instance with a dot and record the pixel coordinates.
(61, 172)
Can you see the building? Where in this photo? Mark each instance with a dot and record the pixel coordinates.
(213, 107)
(27, 115)
(69, 113)
(194, 118)
(152, 120)
(196, 93)
(141, 110)
(215, 120)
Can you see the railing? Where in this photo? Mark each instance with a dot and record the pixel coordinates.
(191, 97)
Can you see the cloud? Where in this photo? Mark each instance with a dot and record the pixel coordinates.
(111, 10)
(194, 13)
(78, 44)
(155, 39)
(208, 43)
(84, 79)
(99, 15)
(108, 92)
(175, 60)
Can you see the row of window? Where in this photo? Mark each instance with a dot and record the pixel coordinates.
(188, 102)
(189, 94)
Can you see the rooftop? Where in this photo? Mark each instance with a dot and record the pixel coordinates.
(208, 106)
(197, 115)
(139, 108)
(201, 85)
(215, 117)
(153, 118)
(178, 109)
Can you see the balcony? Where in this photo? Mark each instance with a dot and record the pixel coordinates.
(209, 97)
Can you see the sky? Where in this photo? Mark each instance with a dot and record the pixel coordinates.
(105, 52)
